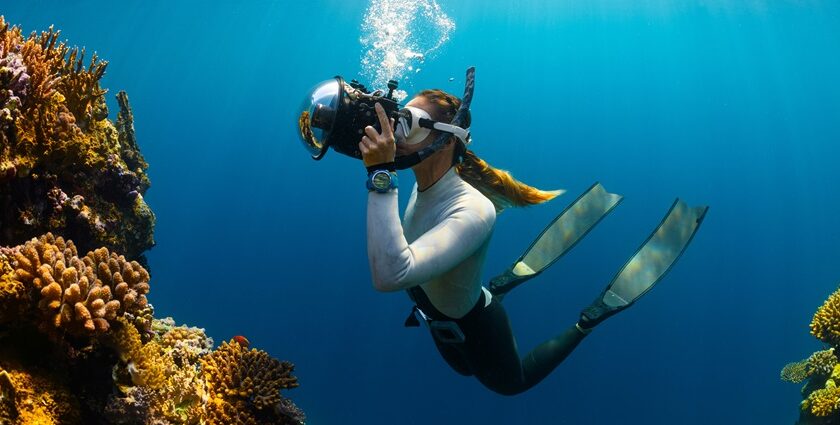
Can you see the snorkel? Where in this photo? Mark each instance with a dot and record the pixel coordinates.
(335, 114)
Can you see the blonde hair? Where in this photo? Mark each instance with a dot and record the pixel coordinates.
(497, 185)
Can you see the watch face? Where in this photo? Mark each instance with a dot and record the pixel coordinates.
(382, 180)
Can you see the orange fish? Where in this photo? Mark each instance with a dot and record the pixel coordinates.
(241, 340)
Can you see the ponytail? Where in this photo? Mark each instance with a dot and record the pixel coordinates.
(497, 185)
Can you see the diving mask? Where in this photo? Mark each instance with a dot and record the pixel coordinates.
(415, 124)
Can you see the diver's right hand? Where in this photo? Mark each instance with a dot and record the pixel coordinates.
(379, 148)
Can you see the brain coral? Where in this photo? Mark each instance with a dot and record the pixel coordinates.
(244, 386)
(64, 167)
(826, 322)
(80, 295)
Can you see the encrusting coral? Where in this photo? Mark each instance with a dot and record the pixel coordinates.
(821, 371)
(64, 167)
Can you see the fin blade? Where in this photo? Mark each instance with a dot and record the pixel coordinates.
(657, 255)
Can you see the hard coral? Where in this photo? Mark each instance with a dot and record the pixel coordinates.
(80, 295)
(63, 165)
(824, 402)
(822, 362)
(244, 386)
(826, 322)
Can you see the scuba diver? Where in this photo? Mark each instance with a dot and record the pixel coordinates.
(437, 252)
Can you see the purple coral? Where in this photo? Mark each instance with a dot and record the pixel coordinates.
(13, 76)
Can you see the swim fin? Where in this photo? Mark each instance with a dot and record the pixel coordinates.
(649, 265)
(560, 236)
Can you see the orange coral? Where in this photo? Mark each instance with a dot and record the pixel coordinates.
(826, 322)
(245, 385)
(81, 295)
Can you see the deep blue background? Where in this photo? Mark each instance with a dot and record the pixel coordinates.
(731, 106)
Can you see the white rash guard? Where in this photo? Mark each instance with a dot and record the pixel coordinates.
(441, 246)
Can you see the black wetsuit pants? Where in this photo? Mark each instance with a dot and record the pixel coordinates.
(489, 350)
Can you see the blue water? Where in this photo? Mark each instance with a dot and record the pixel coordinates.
(734, 106)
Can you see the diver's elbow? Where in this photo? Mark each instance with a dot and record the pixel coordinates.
(385, 285)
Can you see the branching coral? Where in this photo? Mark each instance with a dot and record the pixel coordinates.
(826, 322)
(81, 295)
(244, 385)
(63, 165)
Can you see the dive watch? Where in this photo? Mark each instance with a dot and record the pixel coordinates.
(382, 181)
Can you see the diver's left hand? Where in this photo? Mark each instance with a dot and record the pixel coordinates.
(379, 148)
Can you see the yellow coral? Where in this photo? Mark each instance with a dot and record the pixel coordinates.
(826, 322)
(825, 401)
(146, 362)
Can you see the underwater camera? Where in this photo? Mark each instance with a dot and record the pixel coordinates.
(335, 114)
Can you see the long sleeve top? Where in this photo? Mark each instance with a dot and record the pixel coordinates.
(441, 245)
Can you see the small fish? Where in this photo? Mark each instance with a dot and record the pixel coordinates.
(451, 78)
(241, 340)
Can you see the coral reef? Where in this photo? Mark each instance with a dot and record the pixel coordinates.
(820, 372)
(79, 343)
(64, 166)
